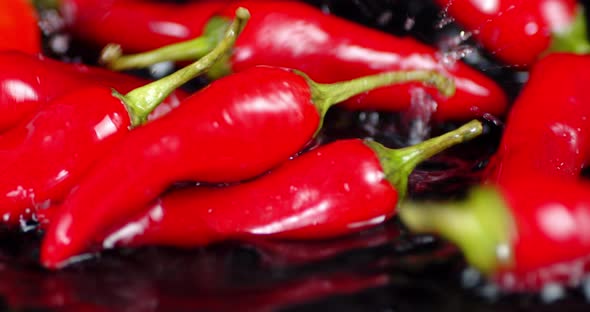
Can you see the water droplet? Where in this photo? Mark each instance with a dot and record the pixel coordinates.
(470, 277)
(161, 69)
(586, 288)
(409, 23)
(552, 292)
(450, 57)
(490, 291)
(346, 187)
(503, 252)
(59, 44)
(444, 21)
(384, 18)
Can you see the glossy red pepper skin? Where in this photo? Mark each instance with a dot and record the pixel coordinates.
(333, 190)
(75, 130)
(548, 128)
(68, 135)
(18, 27)
(220, 134)
(528, 232)
(97, 204)
(551, 240)
(327, 48)
(152, 25)
(518, 32)
(28, 83)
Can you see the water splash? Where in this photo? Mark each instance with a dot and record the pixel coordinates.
(449, 58)
(416, 119)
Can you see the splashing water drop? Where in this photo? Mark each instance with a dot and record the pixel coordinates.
(409, 23)
(385, 18)
(443, 21)
(161, 69)
(416, 119)
(552, 292)
(451, 57)
(470, 277)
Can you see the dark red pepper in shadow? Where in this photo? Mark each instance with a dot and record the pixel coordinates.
(139, 25)
(548, 128)
(236, 128)
(29, 82)
(524, 234)
(42, 159)
(18, 27)
(294, 35)
(519, 32)
(337, 189)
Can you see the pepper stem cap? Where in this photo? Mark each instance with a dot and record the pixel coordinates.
(142, 101)
(326, 95)
(189, 50)
(575, 38)
(481, 226)
(398, 164)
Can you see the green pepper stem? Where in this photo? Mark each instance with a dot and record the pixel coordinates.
(46, 4)
(142, 101)
(481, 226)
(399, 163)
(326, 95)
(575, 38)
(190, 50)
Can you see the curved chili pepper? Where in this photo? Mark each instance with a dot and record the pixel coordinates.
(29, 82)
(548, 128)
(531, 231)
(18, 27)
(296, 35)
(253, 121)
(362, 189)
(74, 131)
(333, 190)
(519, 32)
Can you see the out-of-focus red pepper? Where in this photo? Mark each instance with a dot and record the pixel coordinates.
(42, 159)
(333, 190)
(29, 82)
(237, 128)
(548, 128)
(288, 34)
(528, 232)
(519, 32)
(139, 25)
(18, 27)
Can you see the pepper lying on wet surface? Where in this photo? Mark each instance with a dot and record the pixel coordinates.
(294, 35)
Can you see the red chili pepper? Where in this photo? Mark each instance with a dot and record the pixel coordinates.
(530, 231)
(294, 35)
(548, 128)
(29, 82)
(333, 190)
(362, 189)
(275, 252)
(235, 129)
(519, 32)
(140, 25)
(18, 27)
(74, 131)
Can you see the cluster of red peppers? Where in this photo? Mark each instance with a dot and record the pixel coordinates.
(97, 158)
